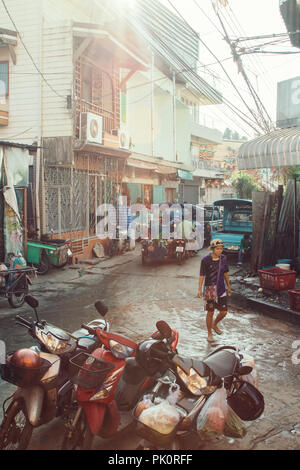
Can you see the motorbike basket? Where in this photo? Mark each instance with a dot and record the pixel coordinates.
(246, 401)
(152, 435)
(88, 371)
(23, 376)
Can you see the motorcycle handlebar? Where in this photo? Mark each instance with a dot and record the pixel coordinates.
(23, 322)
(90, 330)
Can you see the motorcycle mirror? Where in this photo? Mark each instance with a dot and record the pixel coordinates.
(31, 301)
(245, 370)
(101, 308)
(164, 329)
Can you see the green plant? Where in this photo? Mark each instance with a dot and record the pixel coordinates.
(244, 184)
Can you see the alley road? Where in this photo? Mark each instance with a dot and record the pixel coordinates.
(138, 296)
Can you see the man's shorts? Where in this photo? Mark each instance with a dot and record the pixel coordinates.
(220, 304)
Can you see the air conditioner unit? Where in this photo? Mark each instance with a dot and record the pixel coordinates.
(91, 128)
(124, 140)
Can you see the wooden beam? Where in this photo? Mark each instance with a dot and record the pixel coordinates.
(12, 54)
(82, 48)
(125, 79)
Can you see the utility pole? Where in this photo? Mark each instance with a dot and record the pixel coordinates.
(236, 57)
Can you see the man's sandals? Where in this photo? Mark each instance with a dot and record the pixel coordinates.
(217, 330)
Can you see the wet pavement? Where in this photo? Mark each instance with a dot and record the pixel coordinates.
(138, 296)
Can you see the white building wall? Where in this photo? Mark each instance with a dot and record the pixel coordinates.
(139, 118)
(37, 105)
(24, 79)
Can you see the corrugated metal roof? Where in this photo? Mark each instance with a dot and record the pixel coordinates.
(171, 29)
(276, 149)
(172, 40)
(168, 35)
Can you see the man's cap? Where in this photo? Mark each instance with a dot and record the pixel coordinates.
(215, 242)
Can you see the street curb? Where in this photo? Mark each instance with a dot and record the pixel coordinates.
(265, 308)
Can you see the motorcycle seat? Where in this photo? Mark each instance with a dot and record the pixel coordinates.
(88, 343)
(201, 368)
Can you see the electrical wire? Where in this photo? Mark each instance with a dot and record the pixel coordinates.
(234, 86)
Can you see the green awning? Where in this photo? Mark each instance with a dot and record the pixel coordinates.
(185, 175)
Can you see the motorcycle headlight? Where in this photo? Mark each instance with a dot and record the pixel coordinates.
(194, 382)
(56, 345)
(120, 350)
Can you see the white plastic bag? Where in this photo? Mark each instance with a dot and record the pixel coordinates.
(212, 417)
(251, 378)
(162, 415)
(144, 404)
(162, 418)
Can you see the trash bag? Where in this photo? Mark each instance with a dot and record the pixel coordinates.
(211, 419)
(234, 426)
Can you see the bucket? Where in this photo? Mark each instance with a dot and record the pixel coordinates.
(284, 261)
(283, 266)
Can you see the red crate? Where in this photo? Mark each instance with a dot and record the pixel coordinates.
(294, 296)
(277, 279)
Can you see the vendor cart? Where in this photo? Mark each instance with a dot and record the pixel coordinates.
(42, 254)
(14, 284)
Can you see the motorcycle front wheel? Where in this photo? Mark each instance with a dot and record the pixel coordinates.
(15, 430)
(44, 264)
(77, 435)
(17, 295)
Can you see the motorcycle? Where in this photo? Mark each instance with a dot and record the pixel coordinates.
(109, 384)
(42, 375)
(166, 425)
(158, 250)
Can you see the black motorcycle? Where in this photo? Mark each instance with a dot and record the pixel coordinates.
(197, 381)
(42, 374)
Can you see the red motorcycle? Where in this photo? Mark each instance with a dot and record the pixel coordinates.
(109, 384)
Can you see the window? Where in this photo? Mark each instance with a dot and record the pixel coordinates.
(4, 83)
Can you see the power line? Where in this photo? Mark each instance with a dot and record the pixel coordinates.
(246, 105)
(259, 105)
(228, 103)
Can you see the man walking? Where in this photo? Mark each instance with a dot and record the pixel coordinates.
(214, 271)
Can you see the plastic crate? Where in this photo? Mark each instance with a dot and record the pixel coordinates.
(277, 279)
(294, 297)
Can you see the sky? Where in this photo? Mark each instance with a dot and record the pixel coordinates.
(241, 18)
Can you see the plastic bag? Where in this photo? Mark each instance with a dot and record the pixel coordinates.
(163, 418)
(3, 267)
(251, 378)
(234, 426)
(144, 404)
(211, 419)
